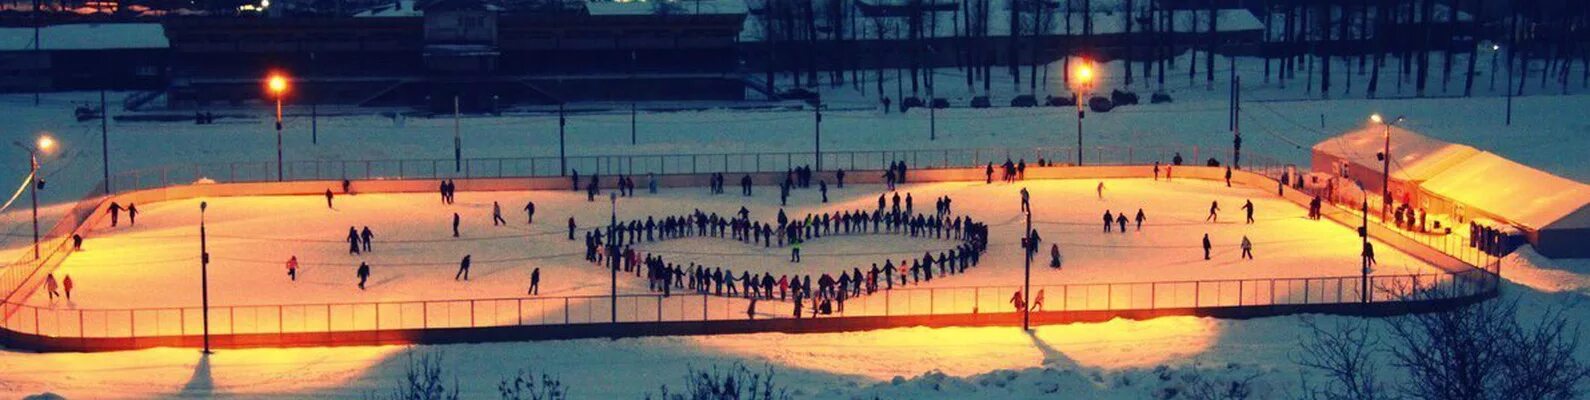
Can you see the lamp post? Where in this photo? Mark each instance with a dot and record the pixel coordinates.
(817, 131)
(44, 144)
(1026, 290)
(204, 274)
(1084, 82)
(1385, 163)
(104, 138)
(563, 160)
(612, 256)
(458, 147)
(276, 84)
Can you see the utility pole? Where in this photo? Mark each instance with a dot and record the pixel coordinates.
(612, 256)
(563, 161)
(458, 150)
(314, 114)
(1236, 122)
(204, 274)
(632, 95)
(1026, 291)
(817, 131)
(104, 138)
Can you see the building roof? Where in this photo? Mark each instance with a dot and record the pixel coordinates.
(1516, 192)
(680, 7)
(87, 37)
(1415, 157)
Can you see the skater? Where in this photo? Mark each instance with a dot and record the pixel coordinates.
(795, 250)
(822, 186)
(1176, 160)
(328, 200)
(51, 287)
(132, 214)
(366, 236)
(455, 224)
(574, 181)
(1206, 247)
(1156, 170)
(1108, 221)
(745, 185)
(441, 189)
(1017, 301)
(1369, 254)
(1247, 248)
(1214, 212)
(1054, 256)
(364, 274)
(66, 285)
(1249, 208)
(839, 177)
(347, 186)
(530, 211)
(1140, 219)
(1228, 176)
(1100, 190)
(77, 242)
(1037, 301)
(115, 213)
(1025, 205)
(750, 310)
(496, 215)
(463, 268)
(535, 282)
(651, 183)
(354, 246)
(1121, 219)
(292, 268)
(988, 174)
(571, 228)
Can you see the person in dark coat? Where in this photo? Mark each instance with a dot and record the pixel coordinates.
(839, 177)
(463, 268)
(1140, 219)
(115, 213)
(530, 212)
(366, 236)
(1248, 207)
(364, 274)
(535, 282)
(1214, 212)
(132, 213)
(822, 186)
(1109, 219)
(1207, 246)
(571, 228)
(328, 199)
(455, 224)
(1121, 219)
(353, 241)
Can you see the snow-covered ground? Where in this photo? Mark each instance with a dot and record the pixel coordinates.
(1105, 360)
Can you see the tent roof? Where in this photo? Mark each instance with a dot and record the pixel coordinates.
(1415, 157)
(1523, 195)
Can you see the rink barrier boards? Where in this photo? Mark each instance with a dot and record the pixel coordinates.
(48, 329)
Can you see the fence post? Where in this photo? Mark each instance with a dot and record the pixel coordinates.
(471, 312)
(703, 306)
(1197, 297)
(425, 314)
(1153, 295)
(565, 310)
(659, 308)
(1305, 291)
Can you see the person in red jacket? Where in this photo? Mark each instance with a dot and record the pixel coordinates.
(292, 268)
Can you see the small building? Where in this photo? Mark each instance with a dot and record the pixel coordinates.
(83, 56)
(1465, 183)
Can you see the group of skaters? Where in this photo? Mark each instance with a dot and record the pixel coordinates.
(54, 288)
(625, 186)
(1009, 172)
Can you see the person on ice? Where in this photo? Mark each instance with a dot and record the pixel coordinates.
(1025, 198)
(132, 214)
(51, 287)
(1207, 246)
(115, 213)
(455, 224)
(1214, 212)
(530, 212)
(745, 186)
(988, 174)
(292, 268)
(839, 177)
(822, 186)
(353, 241)
(1108, 220)
(1037, 300)
(1369, 254)
(1121, 219)
(366, 236)
(77, 242)
(1140, 219)
(496, 214)
(535, 282)
(1054, 256)
(1100, 190)
(66, 285)
(364, 274)
(571, 228)
(1017, 301)
(328, 199)
(1228, 176)
(1156, 170)
(1248, 207)
(463, 268)
(1247, 248)
(795, 250)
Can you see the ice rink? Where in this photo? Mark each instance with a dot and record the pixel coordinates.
(155, 263)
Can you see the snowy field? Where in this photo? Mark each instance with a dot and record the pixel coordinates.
(415, 257)
(1112, 360)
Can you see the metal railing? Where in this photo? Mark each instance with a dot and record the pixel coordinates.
(635, 164)
(901, 302)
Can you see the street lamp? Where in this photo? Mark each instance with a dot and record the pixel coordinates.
(612, 256)
(276, 84)
(204, 274)
(44, 144)
(1385, 163)
(1026, 290)
(1084, 82)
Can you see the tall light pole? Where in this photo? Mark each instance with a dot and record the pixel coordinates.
(1385, 163)
(276, 84)
(1084, 82)
(458, 143)
(204, 274)
(563, 161)
(612, 257)
(104, 138)
(1026, 291)
(44, 144)
(1363, 233)
(817, 131)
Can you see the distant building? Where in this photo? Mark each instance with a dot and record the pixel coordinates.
(84, 56)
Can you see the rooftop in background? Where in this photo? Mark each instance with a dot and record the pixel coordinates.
(87, 37)
(682, 7)
(1416, 157)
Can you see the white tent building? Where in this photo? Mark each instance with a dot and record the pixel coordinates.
(1464, 183)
